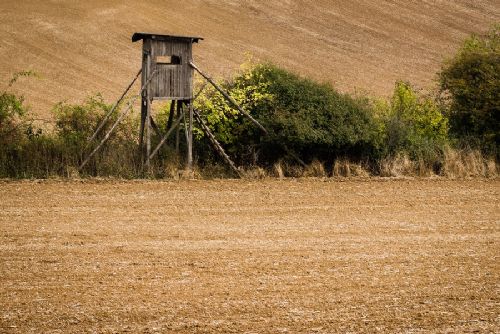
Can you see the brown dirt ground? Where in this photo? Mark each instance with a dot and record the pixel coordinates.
(293, 256)
(83, 47)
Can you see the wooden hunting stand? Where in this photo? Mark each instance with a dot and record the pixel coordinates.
(166, 61)
(167, 74)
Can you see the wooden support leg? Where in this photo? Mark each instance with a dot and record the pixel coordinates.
(164, 139)
(141, 131)
(148, 114)
(148, 132)
(171, 115)
(178, 130)
(215, 143)
(190, 139)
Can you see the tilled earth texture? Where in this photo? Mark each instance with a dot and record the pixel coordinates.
(79, 48)
(292, 256)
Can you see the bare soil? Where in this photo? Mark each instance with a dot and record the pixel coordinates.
(83, 47)
(293, 256)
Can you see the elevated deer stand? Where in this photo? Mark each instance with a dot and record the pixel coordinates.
(166, 60)
(167, 74)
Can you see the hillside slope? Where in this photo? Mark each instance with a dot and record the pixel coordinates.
(80, 47)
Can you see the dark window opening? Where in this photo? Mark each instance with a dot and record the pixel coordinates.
(170, 60)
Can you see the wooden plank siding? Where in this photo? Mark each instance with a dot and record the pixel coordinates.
(172, 81)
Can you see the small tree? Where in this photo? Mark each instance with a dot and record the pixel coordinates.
(415, 124)
(471, 84)
(13, 112)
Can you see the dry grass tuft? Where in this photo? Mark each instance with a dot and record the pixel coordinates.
(453, 166)
(254, 173)
(277, 170)
(214, 171)
(400, 165)
(423, 169)
(491, 168)
(293, 170)
(72, 172)
(171, 169)
(341, 168)
(474, 163)
(315, 169)
(187, 174)
(467, 163)
(358, 170)
(346, 168)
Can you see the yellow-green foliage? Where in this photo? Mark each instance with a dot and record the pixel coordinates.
(422, 113)
(414, 123)
(309, 118)
(248, 89)
(13, 112)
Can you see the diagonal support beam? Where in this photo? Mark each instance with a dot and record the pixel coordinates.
(164, 139)
(105, 119)
(229, 98)
(123, 114)
(235, 104)
(215, 143)
(155, 126)
(202, 88)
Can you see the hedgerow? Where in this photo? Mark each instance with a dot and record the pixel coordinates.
(311, 119)
(307, 122)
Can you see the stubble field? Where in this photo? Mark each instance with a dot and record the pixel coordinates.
(293, 256)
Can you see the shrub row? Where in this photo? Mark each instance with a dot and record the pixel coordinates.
(305, 119)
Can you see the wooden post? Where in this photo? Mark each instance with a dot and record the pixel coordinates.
(186, 135)
(190, 139)
(141, 130)
(178, 129)
(164, 139)
(171, 115)
(148, 113)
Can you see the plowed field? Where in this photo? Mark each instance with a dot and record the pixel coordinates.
(294, 256)
(82, 47)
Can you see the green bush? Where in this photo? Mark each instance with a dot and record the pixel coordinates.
(413, 124)
(304, 119)
(311, 119)
(470, 83)
(13, 112)
(28, 152)
(15, 128)
(76, 123)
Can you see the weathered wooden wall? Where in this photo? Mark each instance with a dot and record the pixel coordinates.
(172, 81)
